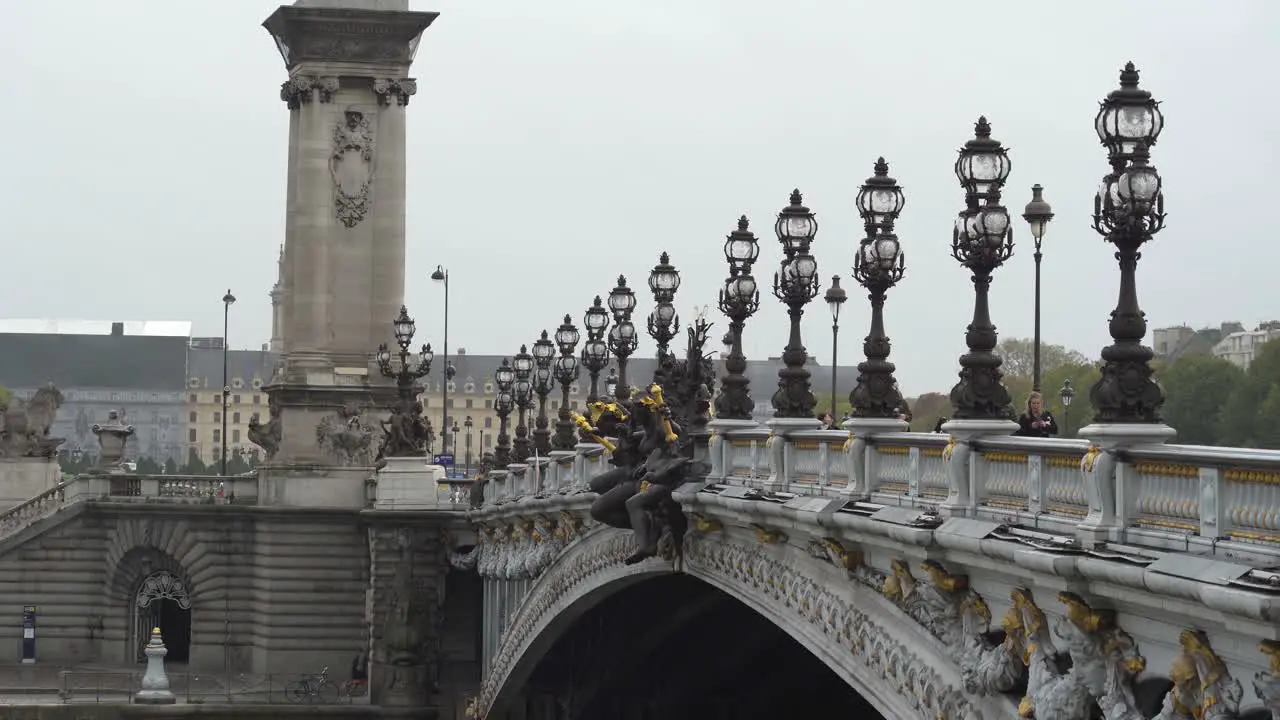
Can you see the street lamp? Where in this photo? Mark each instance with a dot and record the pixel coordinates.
(795, 284)
(566, 373)
(622, 337)
(468, 424)
(442, 275)
(611, 383)
(835, 298)
(981, 241)
(1128, 211)
(1037, 214)
(505, 378)
(595, 351)
(739, 300)
(664, 323)
(543, 382)
(1066, 395)
(407, 437)
(522, 394)
(227, 301)
(879, 266)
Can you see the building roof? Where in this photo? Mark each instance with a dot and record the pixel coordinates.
(205, 366)
(141, 362)
(149, 328)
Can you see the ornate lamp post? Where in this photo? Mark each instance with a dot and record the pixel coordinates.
(622, 337)
(544, 352)
(1037, 214)
(522, 394)
(566, 372)
(1066, 395)
(739, 300)
(878, 267)
(595, 351)
(664, 323)
(407, 437)
(795, 283)
(505, 378)
(981, 241)
(611, 383)
(227, 301)
(1128, 211)
(835, 298)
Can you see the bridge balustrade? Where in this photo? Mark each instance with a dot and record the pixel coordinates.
(1165, 496)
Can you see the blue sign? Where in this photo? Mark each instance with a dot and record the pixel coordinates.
(28, 634)
(445, 459)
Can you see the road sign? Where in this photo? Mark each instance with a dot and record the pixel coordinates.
(445, 459)
(28, 634)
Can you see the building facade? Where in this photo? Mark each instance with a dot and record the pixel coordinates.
(1241, 347)
(247, 372)
(135, 368)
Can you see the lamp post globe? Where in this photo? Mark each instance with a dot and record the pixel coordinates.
(522, 393)
(878, 265)
(566, 373)
(981, 241)
(1128, 211)
(595, 351)
(795, 284)
(611, 383)
(505, 379)
(664, 323)
(543, 381)
(739, 300)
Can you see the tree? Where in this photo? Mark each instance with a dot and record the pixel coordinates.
(236, 464)
(194, 466)
(1239, 419)
(1081, 412)
(824, 404)
(1266, 432)
(170, 466)
(1019, 357)
(926, 409)
(148, 466)
(1197, 388)
(5, 396)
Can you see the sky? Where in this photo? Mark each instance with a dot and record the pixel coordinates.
(554, 145)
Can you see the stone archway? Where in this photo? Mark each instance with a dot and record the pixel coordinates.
(161, 601)
(867, 641)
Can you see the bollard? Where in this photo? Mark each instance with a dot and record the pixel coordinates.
(155, 684)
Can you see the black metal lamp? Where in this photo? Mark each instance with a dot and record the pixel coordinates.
(1128, 211)
(739, 300)
(795, 284)
(622, 337)
(522, 394)
(1065, 395)
(544, 351)
(595, 351)
(505, 378)
(835, 298)
(664, 323)
(879, 265)
(611, 383)
(981, 241)
(409, 436)
(566, 373)
(1037, 214)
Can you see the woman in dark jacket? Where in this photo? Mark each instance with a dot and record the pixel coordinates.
(1036, 421)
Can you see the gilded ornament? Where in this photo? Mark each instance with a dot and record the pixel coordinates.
(705, 524)
(769, 536)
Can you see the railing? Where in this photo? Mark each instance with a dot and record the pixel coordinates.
(116, 687)
(1155, 495)
(20, 517)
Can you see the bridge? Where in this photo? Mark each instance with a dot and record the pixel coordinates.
(911, 573)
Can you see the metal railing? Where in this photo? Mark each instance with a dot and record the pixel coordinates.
(194, 688)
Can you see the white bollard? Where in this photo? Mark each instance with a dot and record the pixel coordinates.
(155, 684)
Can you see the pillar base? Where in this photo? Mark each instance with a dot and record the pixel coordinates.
(1119, 436)
(303, 407)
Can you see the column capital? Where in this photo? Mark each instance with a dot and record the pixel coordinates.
(300, 89)
(397, 90)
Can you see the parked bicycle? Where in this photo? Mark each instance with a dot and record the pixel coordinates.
(313, 687)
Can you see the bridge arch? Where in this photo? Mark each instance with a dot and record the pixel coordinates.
(892, 663)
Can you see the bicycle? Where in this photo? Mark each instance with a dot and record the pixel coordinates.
(313, 687)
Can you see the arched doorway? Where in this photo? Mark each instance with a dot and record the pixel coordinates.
(676, 648)
(162, 601)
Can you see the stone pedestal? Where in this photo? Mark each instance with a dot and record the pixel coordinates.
(24, 478)
(155, 683)
(1105, 485)
(864, 467)
(779, 455)
(960, 496)
(409, 483)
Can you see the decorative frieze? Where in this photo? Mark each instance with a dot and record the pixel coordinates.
(394, 92)
(351, 166)
(1203, 688)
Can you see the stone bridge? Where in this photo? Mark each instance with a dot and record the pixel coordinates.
(916, 575)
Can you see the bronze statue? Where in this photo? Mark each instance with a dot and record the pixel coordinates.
(614, 487)
(650, 507)
(25, 426)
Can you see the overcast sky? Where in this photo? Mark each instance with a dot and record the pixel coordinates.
(555, 144)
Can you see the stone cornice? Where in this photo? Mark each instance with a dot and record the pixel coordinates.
(328, 34)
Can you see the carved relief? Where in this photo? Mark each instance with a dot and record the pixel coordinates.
(267, 436)
(352, 165)
(1267, 682)
(834, 552)
(345, 438)
(397, 91)
(299, 89)
(1203, 688)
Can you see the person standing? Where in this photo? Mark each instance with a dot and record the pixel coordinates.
(1036, 421)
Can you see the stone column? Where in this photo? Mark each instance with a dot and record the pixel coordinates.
(342, 275)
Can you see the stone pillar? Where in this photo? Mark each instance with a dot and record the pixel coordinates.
(155, 683)
(342, 275)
